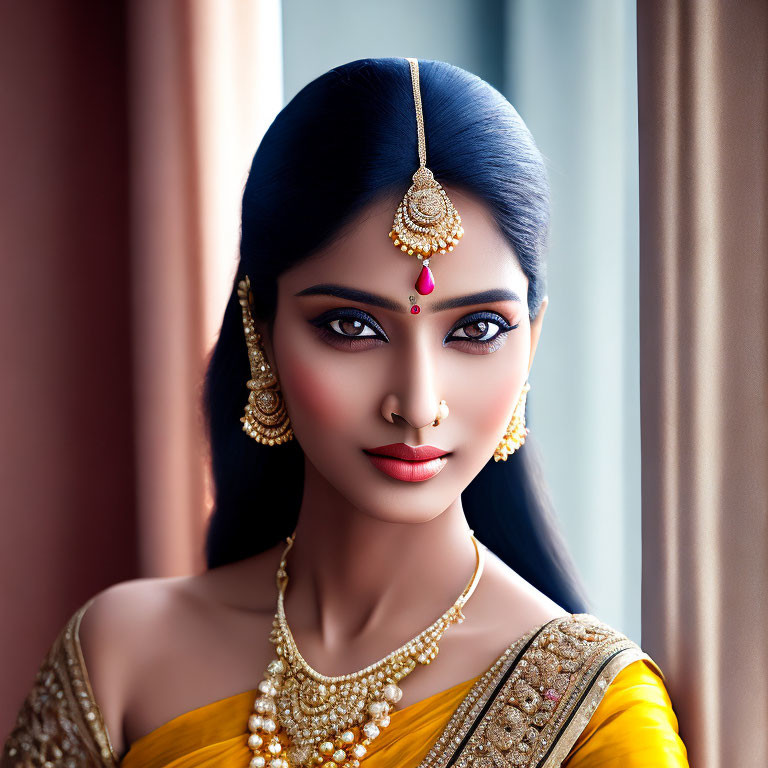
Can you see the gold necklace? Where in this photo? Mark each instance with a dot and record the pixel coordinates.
(303, 718)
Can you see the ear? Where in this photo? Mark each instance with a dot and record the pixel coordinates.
(536, 330)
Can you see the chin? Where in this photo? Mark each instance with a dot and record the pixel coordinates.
(402, 515)
(394, 501)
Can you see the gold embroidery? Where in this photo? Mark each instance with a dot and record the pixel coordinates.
(59, 723)
(530, 707)
(527, 710)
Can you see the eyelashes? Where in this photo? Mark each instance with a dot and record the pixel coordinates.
(350, 328)
(484, 322)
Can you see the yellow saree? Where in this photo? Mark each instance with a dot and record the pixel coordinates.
(573, 693)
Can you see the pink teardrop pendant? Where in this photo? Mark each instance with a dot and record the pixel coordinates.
(425, 283)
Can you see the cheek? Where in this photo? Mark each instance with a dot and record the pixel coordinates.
(486, 399)
(318, 395)
(490, 410)
(312, 393)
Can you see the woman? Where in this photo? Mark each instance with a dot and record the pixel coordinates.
(378, 383)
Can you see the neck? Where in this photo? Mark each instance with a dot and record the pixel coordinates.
(353, 577)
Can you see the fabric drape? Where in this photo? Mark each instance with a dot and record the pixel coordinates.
(703, 103)
(572, 691)
(204, 86)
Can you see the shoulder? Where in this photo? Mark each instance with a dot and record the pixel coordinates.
(634, 724)
(134, 628)
(508, 602)
(113, 632)
(625, 715)
(600, 698)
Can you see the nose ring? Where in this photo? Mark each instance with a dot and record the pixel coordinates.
(442, 413)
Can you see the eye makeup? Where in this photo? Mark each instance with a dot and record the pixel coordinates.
(353, 329)
(349, 328)
(478, 341)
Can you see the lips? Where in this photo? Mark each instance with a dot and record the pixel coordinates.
(408, 463)
(408, 452)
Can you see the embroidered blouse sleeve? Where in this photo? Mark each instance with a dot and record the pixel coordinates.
(634, 725)
(59, 723)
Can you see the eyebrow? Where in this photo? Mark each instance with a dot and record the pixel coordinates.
(354, 294)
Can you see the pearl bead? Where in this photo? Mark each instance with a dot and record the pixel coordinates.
(267, 688)
(275, 747)
(276, 667)
(255, 722)
(348, 737)
(339, 755)
(392, 693)
(269, 725)
(371, 730)
(255, 741)
(264, 706)
(326, 748)
(359, 750)
(377, 708)
(258, 762)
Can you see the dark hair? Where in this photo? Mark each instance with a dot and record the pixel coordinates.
(346, 139)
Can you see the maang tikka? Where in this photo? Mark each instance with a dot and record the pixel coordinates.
(426, 221)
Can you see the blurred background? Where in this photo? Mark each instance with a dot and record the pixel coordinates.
(126, 135)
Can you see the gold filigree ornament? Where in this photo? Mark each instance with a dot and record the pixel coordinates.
(426, 221)
(303, 718)
(516, 432)
(265, 419)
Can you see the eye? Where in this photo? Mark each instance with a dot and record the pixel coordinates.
(481, 332)
(349, 326)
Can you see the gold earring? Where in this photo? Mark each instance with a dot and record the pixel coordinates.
(516, 432)
(266, 419)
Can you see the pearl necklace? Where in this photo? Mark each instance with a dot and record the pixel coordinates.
(303, 718)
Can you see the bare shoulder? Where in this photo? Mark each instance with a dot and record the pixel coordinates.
(113, 634)
(147, 643)
(509, 605)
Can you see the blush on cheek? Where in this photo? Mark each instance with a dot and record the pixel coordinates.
(496, 412)
(313, 394)
(493, 410)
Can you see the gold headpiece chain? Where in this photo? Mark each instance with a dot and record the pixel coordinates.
(414, 64)
(426, 221)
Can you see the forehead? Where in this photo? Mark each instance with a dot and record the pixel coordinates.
(364, 257)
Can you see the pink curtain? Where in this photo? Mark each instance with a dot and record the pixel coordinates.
(127, 134)
(703, 69)
(167, 291)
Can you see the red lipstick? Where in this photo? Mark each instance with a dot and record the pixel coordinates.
(409, 463)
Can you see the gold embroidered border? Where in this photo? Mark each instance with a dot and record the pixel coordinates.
(82, 685)
(530, 707)
(59, 722)
(583, 713)
(463, 718)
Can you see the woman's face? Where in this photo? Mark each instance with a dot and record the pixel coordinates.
(346, 363)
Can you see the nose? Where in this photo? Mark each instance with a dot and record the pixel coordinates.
(413, 396)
